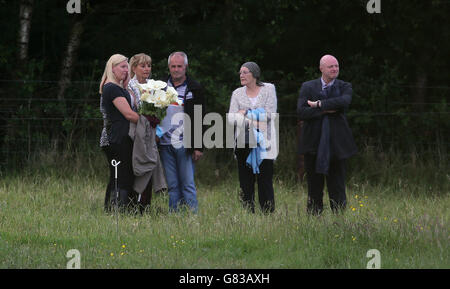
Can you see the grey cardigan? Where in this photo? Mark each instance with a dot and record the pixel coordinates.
(145, 160)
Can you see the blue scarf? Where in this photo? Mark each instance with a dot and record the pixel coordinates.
(159, 131)
(257, 154)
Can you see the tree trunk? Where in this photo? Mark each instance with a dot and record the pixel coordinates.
(65, 78)
(26, 9)
(227, 25)
(70, 57)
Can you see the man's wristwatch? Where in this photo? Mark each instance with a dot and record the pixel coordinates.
(319, 103)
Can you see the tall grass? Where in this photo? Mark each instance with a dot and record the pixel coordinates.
(398, 204)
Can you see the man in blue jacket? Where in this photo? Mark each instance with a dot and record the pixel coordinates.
(327, 140)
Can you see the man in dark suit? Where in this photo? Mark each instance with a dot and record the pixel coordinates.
(327, 140)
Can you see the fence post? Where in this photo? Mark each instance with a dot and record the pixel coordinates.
(300, 158)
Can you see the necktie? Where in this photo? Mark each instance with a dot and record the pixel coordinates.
(326, 89)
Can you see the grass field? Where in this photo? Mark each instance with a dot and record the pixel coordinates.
(53, 206)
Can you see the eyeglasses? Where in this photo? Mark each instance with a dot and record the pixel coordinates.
(244, 72)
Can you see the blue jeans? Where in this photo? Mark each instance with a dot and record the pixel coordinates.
(179, 169)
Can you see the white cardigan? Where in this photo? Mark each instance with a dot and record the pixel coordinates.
(266, 99)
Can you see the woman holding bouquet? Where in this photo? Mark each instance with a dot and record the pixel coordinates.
(116, 103)
(140, 71)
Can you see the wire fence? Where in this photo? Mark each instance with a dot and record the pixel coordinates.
(28, 124)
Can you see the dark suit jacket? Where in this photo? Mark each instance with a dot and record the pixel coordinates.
(342, 144)
(197, 100)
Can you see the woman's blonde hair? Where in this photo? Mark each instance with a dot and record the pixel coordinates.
(108, 75)
(138, 59)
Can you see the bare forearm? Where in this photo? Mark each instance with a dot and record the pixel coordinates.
(122, 105)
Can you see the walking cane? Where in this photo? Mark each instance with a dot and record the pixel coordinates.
(115, 163)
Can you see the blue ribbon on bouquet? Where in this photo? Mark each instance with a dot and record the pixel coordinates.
(159, 131)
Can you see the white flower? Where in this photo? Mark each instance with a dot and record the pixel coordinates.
(145, 96)
(144, 86)
(151, 98)
(156, 84)
(160, 96)
(172, 93)
(154, 99)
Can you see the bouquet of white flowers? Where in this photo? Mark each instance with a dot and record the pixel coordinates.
(156, 96)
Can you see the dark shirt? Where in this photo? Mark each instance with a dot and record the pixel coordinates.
(119, 125)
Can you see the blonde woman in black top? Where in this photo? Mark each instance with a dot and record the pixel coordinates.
(116, 102)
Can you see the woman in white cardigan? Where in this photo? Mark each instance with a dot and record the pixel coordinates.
(252, 111)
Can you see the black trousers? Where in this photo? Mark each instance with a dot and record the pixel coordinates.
(335, 185)
(247, 183)
(120, 152)
(107, 151)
